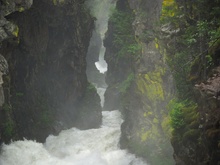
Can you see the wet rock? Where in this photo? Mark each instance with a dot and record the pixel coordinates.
(47, 83)
(140, 85)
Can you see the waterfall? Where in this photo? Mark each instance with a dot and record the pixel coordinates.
(73, 146)
(101, 10)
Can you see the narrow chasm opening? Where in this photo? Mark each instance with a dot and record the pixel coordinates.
(96, 64)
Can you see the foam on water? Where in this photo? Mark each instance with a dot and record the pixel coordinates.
(74, 147)
(101, 92)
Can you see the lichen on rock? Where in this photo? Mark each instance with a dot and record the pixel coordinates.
(143, 100)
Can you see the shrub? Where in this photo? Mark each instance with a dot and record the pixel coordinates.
(176, 113)
(124, 40)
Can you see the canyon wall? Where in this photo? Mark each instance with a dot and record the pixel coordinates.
(46, 89)
(139, 82)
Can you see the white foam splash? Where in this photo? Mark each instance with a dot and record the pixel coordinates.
(74, 147)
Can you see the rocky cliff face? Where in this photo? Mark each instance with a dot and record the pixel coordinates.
(196, 140)
(46, 89)
(190, 36)
(208, 137)
(140, 83)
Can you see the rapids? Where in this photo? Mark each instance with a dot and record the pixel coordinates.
(74, 147)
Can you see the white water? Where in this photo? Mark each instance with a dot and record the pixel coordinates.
(101, 65)
(101, 93)
(74, 147)
(101, 10)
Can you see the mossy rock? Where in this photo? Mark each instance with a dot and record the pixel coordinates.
(150, 84)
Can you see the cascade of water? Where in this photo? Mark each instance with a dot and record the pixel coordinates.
(74, 146)
(102, 26)
(101, 10)
(101, 65)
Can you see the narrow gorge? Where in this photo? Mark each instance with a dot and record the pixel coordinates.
(109, 82)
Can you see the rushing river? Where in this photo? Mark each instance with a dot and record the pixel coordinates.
(78, 147)
(74, 147)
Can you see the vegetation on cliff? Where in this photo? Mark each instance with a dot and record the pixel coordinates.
(121, 51)
(190, 40)
(190, 32)
(47, 89)
(187, 35)
(137, 75)
(124, 40)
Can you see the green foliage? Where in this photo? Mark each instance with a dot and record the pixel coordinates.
(124, 86)
(176, 113)
(169, 12)
(182, 113)
(202, 27)
(184, 121)
(190, 41)
(188, 51)
(124, 40)
(134, 48)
